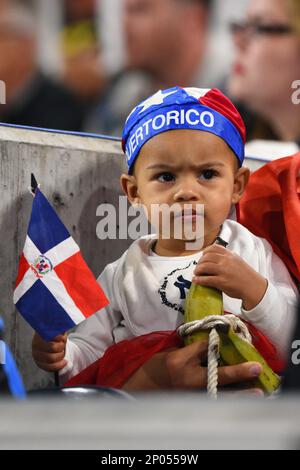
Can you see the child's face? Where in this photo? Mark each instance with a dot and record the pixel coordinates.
(187, 167)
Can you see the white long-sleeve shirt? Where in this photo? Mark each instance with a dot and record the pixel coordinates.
(147, 293)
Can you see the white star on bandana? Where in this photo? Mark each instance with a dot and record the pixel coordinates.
(156, 99)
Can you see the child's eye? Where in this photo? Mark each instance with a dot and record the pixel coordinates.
(165, 177)
(208, 174)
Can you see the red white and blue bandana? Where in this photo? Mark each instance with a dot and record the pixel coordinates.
(183, 108)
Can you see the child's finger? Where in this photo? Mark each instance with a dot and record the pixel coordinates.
(207, 268)
(51, 347)
(211, 257)
(214, 248)
(39, 344)
(59, 338)
(53, 367)
(49, 358)
(208, 281)
(55, 347)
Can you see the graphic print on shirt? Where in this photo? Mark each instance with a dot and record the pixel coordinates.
(175, 285)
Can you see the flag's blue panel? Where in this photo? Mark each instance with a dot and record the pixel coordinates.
(45, 228)
(43, 312)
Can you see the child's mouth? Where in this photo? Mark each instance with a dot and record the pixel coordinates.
(189, 215)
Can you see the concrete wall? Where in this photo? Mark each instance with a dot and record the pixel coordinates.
(76, 174)
(172, 421)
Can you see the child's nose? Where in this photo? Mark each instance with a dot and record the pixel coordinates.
(186, 192)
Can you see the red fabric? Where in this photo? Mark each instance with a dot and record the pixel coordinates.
(270, 209)
(123, 359)
(23, 267)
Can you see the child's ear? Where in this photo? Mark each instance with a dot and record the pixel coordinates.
(241, 179)
(130, 188)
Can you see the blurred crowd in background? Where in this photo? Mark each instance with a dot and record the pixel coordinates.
(81, 65)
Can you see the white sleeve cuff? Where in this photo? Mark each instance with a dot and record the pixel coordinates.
(264, 308)
(272, 317)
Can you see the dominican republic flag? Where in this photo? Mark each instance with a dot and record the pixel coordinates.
(55, 289)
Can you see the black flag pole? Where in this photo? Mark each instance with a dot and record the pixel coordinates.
(34, 184)
(56, 379)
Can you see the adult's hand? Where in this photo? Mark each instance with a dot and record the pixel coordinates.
(181, 369)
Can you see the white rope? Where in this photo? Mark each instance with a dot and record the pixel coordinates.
(213, 357)
(209, 323)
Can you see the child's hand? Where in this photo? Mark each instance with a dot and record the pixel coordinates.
(228, 272)
(181, 369)
(49, 355)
